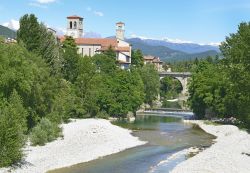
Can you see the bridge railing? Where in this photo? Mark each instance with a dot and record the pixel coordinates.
(176, 74)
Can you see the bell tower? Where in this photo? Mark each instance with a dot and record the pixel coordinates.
(74, 26)
(120, 30)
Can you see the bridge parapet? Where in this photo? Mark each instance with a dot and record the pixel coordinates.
(175, 74)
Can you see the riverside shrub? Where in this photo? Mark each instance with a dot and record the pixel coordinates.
(45, 131)
(12, 116)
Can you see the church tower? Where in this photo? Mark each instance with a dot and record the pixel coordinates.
(74, 26)
(120, 30)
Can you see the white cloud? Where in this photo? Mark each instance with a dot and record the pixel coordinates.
(46, 1)
(214, 44)
(141, 37)
(176, 40)
(99, 13)
(12, 24)
(41, 3)
(34, 4)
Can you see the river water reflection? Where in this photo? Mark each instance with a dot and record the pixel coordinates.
(165, 135)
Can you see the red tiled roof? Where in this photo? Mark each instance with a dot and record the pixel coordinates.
(74, 17)
(105, 43)
(118, 49)
(120, 23)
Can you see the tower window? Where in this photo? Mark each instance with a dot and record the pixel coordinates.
(70, 25)
(75, 25)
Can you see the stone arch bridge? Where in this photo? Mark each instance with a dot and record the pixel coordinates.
(181, 76)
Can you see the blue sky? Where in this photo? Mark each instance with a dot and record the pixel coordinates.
(199, 21)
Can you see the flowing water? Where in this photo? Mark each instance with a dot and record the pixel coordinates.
(167, 137)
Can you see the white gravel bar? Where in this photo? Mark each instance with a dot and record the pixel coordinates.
(229, 154)
(84, 140)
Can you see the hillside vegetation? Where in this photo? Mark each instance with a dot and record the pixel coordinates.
(7, 33)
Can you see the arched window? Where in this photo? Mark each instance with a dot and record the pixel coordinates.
(70, 25)
(75, 25)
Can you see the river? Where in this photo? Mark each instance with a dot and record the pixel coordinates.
(166, 136)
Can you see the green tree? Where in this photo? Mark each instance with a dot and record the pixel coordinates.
(29, 32)
(110, 52)
(13, 126)
(38, 39)
(235, 49)
(105, 64)
(208, 90)
(69, 42)
(151, 80)
(137, 58)
(49, 50)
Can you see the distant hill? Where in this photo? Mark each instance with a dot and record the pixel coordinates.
(169, 54)
(184, 47)
(7, 33)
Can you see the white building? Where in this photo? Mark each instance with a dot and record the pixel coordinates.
(92, 46)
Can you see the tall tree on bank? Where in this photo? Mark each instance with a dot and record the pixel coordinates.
(70, 59)
(137, 58)
(29, 32)
(38, 39)
(151, 82)
(237, 65)
(208, 89)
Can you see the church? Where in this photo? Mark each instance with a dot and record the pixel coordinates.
(92, 46)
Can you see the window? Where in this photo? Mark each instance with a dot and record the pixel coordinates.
(127, 59)
(75, 25)
(89, 51)
(70, 25)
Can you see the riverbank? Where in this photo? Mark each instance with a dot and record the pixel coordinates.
(83, 140)
(229, 154)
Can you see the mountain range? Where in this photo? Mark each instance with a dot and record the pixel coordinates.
(169, 51)
(6, 32)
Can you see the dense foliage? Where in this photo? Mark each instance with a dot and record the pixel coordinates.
(151, 80)
(137, 58)
(222, 87)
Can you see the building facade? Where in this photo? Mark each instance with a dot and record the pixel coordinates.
(92, 46)
(154, 60)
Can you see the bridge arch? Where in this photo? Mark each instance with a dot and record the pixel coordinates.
(181, 76)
